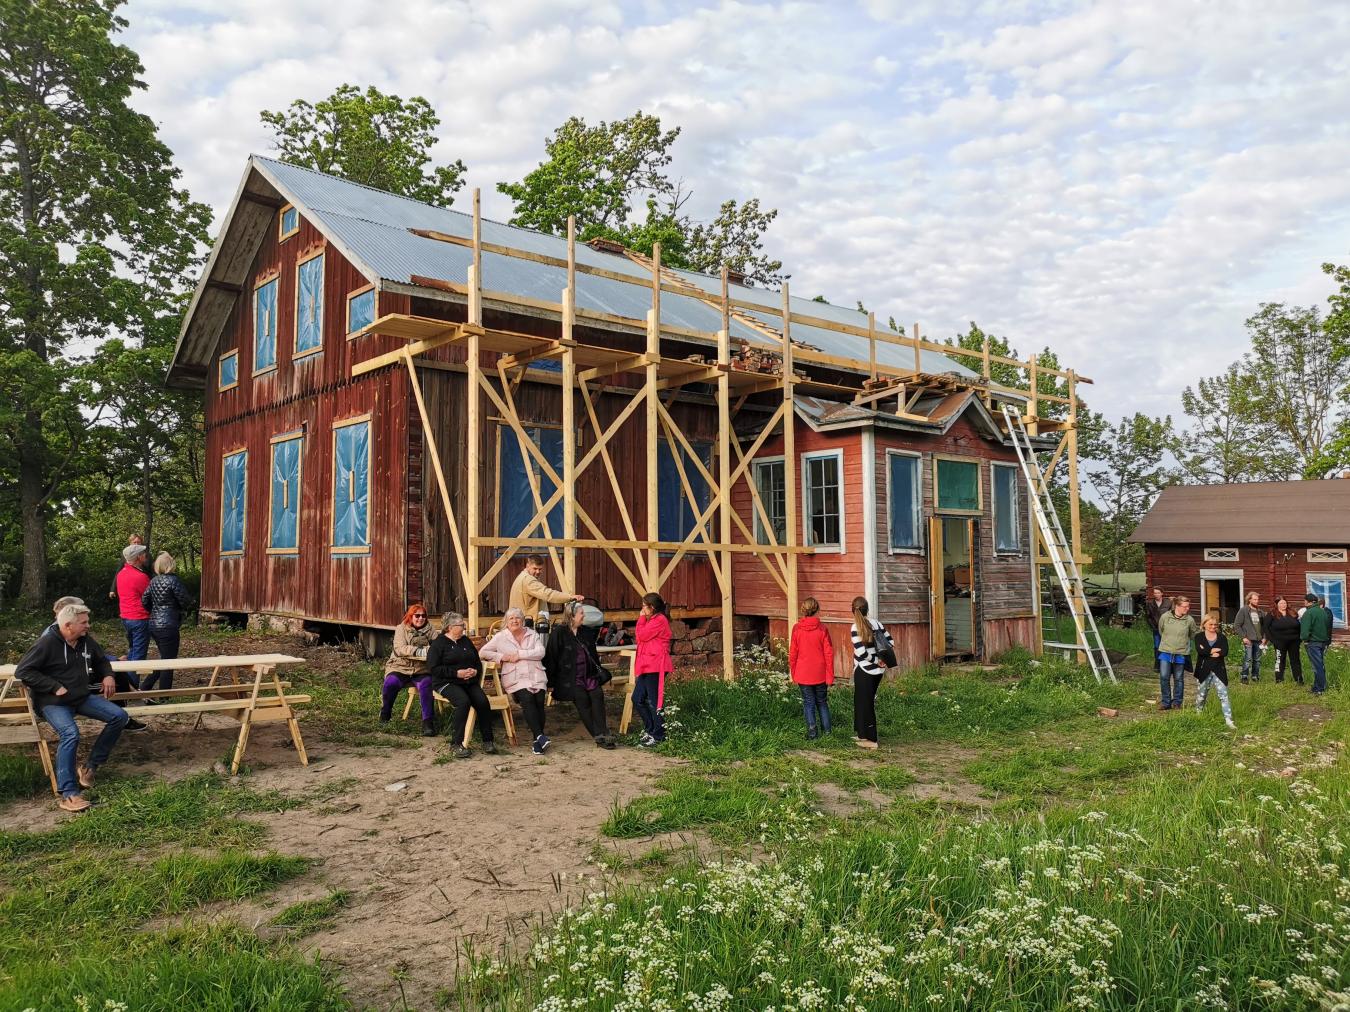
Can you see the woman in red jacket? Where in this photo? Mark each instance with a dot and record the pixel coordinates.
(652, 664)
(811, 662)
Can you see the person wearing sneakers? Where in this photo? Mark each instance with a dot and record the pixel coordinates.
(811, 664)
(59, 670)
(868, 671)
(1211, 670)
(1176, 631)
(457, 674)
(520, 653)
(121, 680)
(652, 664)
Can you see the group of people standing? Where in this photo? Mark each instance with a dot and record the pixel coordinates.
(447, 663)
(811, 667)
(1181, 645)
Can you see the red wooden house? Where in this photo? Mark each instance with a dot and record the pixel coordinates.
(1217, 543)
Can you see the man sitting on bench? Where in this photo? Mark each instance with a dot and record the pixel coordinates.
(59, 670)
(125, 683)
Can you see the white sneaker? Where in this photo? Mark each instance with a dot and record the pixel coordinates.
(1231, 725)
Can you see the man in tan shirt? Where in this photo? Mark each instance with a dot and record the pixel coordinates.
(531, 596)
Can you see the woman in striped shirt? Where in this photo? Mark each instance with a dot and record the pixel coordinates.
(868, 671)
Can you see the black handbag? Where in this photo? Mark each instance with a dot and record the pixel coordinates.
(885, 649)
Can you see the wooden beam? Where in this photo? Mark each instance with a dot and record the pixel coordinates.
(523, 358)
(630, 364)
(569, 409)
(724, 439)
(624, 515)
(473, 419)
(739, 547)
(653, 404)
(429, 436)
(789, 460)
(712, 372)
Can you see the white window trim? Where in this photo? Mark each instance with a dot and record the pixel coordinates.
(1345, 586)
(1326, 555)
(1218, 574)
(1008, 553)
(919, 527)
(805, 458)
(757, 525)
(1210, 555)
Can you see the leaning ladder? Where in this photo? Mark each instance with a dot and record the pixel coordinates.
(1057, 547)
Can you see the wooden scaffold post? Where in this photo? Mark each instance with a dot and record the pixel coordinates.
(790, 460)
(474, 431)
(724, 438)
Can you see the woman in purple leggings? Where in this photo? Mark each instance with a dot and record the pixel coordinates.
(408, 667)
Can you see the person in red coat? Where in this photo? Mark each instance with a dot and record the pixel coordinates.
(811, 663)
(652, 664)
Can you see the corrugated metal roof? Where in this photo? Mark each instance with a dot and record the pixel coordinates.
(1250, 513)
(374, 227)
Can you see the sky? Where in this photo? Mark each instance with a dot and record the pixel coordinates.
(1124, 182)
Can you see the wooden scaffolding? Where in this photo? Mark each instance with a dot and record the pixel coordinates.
(719, 532)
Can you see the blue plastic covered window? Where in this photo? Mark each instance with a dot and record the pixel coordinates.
(290, 222)
(351, 487)
(309, 305)
(265, 326)
(904, 500)
(284, 532)
(1332, 590)
(360, 311)
(234, 487)
(677, 517)
(516, 499)
(229, 370)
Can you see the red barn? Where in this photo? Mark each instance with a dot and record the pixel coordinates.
(1217, 543)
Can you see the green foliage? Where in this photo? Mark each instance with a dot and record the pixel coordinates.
(309, 916)
(1230, 439)
(1334, 455)
(371, 138)
(21, 776)
(1128, 471)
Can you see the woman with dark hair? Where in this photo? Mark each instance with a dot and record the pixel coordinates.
(407, 666)
(575, 673)
(652, 664)
(457, 674)
(868, 670)
(1282, 630)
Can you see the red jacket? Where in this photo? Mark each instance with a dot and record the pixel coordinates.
(811, 655)
(653, 646)
(131, 584)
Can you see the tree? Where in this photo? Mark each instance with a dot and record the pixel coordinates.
(603, 175)
(1231, 438)
(1334, 455)
(371, 138)
(1128, 476)
(88, 197)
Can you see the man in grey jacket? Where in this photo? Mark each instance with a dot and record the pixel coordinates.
(1248, 625)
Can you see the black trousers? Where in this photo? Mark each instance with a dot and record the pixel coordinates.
(463, 695)
(591, 709)
(1292, 652)
(532, 703)
(865, 704)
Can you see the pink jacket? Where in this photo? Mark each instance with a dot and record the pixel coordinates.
(653, 646)
(131, 584)
(527, 672)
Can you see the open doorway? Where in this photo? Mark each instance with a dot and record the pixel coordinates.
(1221, 591)
(952, 572)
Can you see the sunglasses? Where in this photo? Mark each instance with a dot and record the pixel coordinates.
(419, 614)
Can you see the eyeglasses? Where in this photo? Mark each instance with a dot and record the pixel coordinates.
(419, 614)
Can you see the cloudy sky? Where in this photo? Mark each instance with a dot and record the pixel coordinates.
(1123, 181)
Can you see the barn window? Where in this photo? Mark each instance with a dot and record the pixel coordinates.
(309, 306)
(283, 531)
(956, 485)
(1221, 555)
(677, 518)
(233, 506)
(228, 376)
(360, 310)
(288, 223)
(904, 498)
(351, 486)
(265, 327)
(1326, 554)
(822, 499)
(515, 498)
(1007, 509)
(1331, 588)
(771, 484)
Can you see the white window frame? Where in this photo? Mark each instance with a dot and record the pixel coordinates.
(1223, 555)
(1345, 586)
(1017, 508)
(757, 524)
(919, 527)
(1326, 555)
(803, 462)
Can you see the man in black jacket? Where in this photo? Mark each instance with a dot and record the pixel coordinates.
(1154, 608)
(59, 670)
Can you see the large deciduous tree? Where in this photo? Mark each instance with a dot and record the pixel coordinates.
(1127, 472)
(1231, 437)
(1334, 455)
(92, 220)
(369, 137)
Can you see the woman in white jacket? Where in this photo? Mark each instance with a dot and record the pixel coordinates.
(520, 653)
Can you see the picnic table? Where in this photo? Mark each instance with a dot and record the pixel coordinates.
(259, 697)
(631, 651)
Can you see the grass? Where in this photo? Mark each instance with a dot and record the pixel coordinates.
(309, 916)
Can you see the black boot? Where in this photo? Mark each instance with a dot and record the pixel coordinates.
(429, 728)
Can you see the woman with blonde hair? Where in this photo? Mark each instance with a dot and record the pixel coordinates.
(166, 599)
(520, 653)
(868, 670)
(1211, 670)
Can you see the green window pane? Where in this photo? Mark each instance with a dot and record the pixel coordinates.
(958, 485)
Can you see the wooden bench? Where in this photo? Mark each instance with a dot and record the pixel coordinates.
(257, 700)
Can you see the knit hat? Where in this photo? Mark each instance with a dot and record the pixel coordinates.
(131, 552)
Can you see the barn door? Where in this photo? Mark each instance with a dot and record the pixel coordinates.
(937, 614)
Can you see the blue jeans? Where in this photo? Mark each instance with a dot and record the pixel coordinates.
(1171, 680)
(644, 702)
(1251, 660)
(1317, 654)
(815, 704)
(138, 637)
(62, 720)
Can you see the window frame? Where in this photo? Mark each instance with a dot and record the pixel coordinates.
(356, 551)
(1331, 555)
(294, 436)
(757, 525)
(243, 518)
(918, 548)
(282, 234)
(677, 452)
(938, 508)
(503, 426)
(803, 464)
(1017, 508)
(1308, 578)
(374, 312)
(296, 351)
(273, 278)
(220, 371)
(1222, 555)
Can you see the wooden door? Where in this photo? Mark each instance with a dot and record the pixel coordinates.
(937, 614)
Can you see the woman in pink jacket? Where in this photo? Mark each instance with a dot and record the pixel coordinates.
(811, 662)
(652, 664)
(520, 652)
